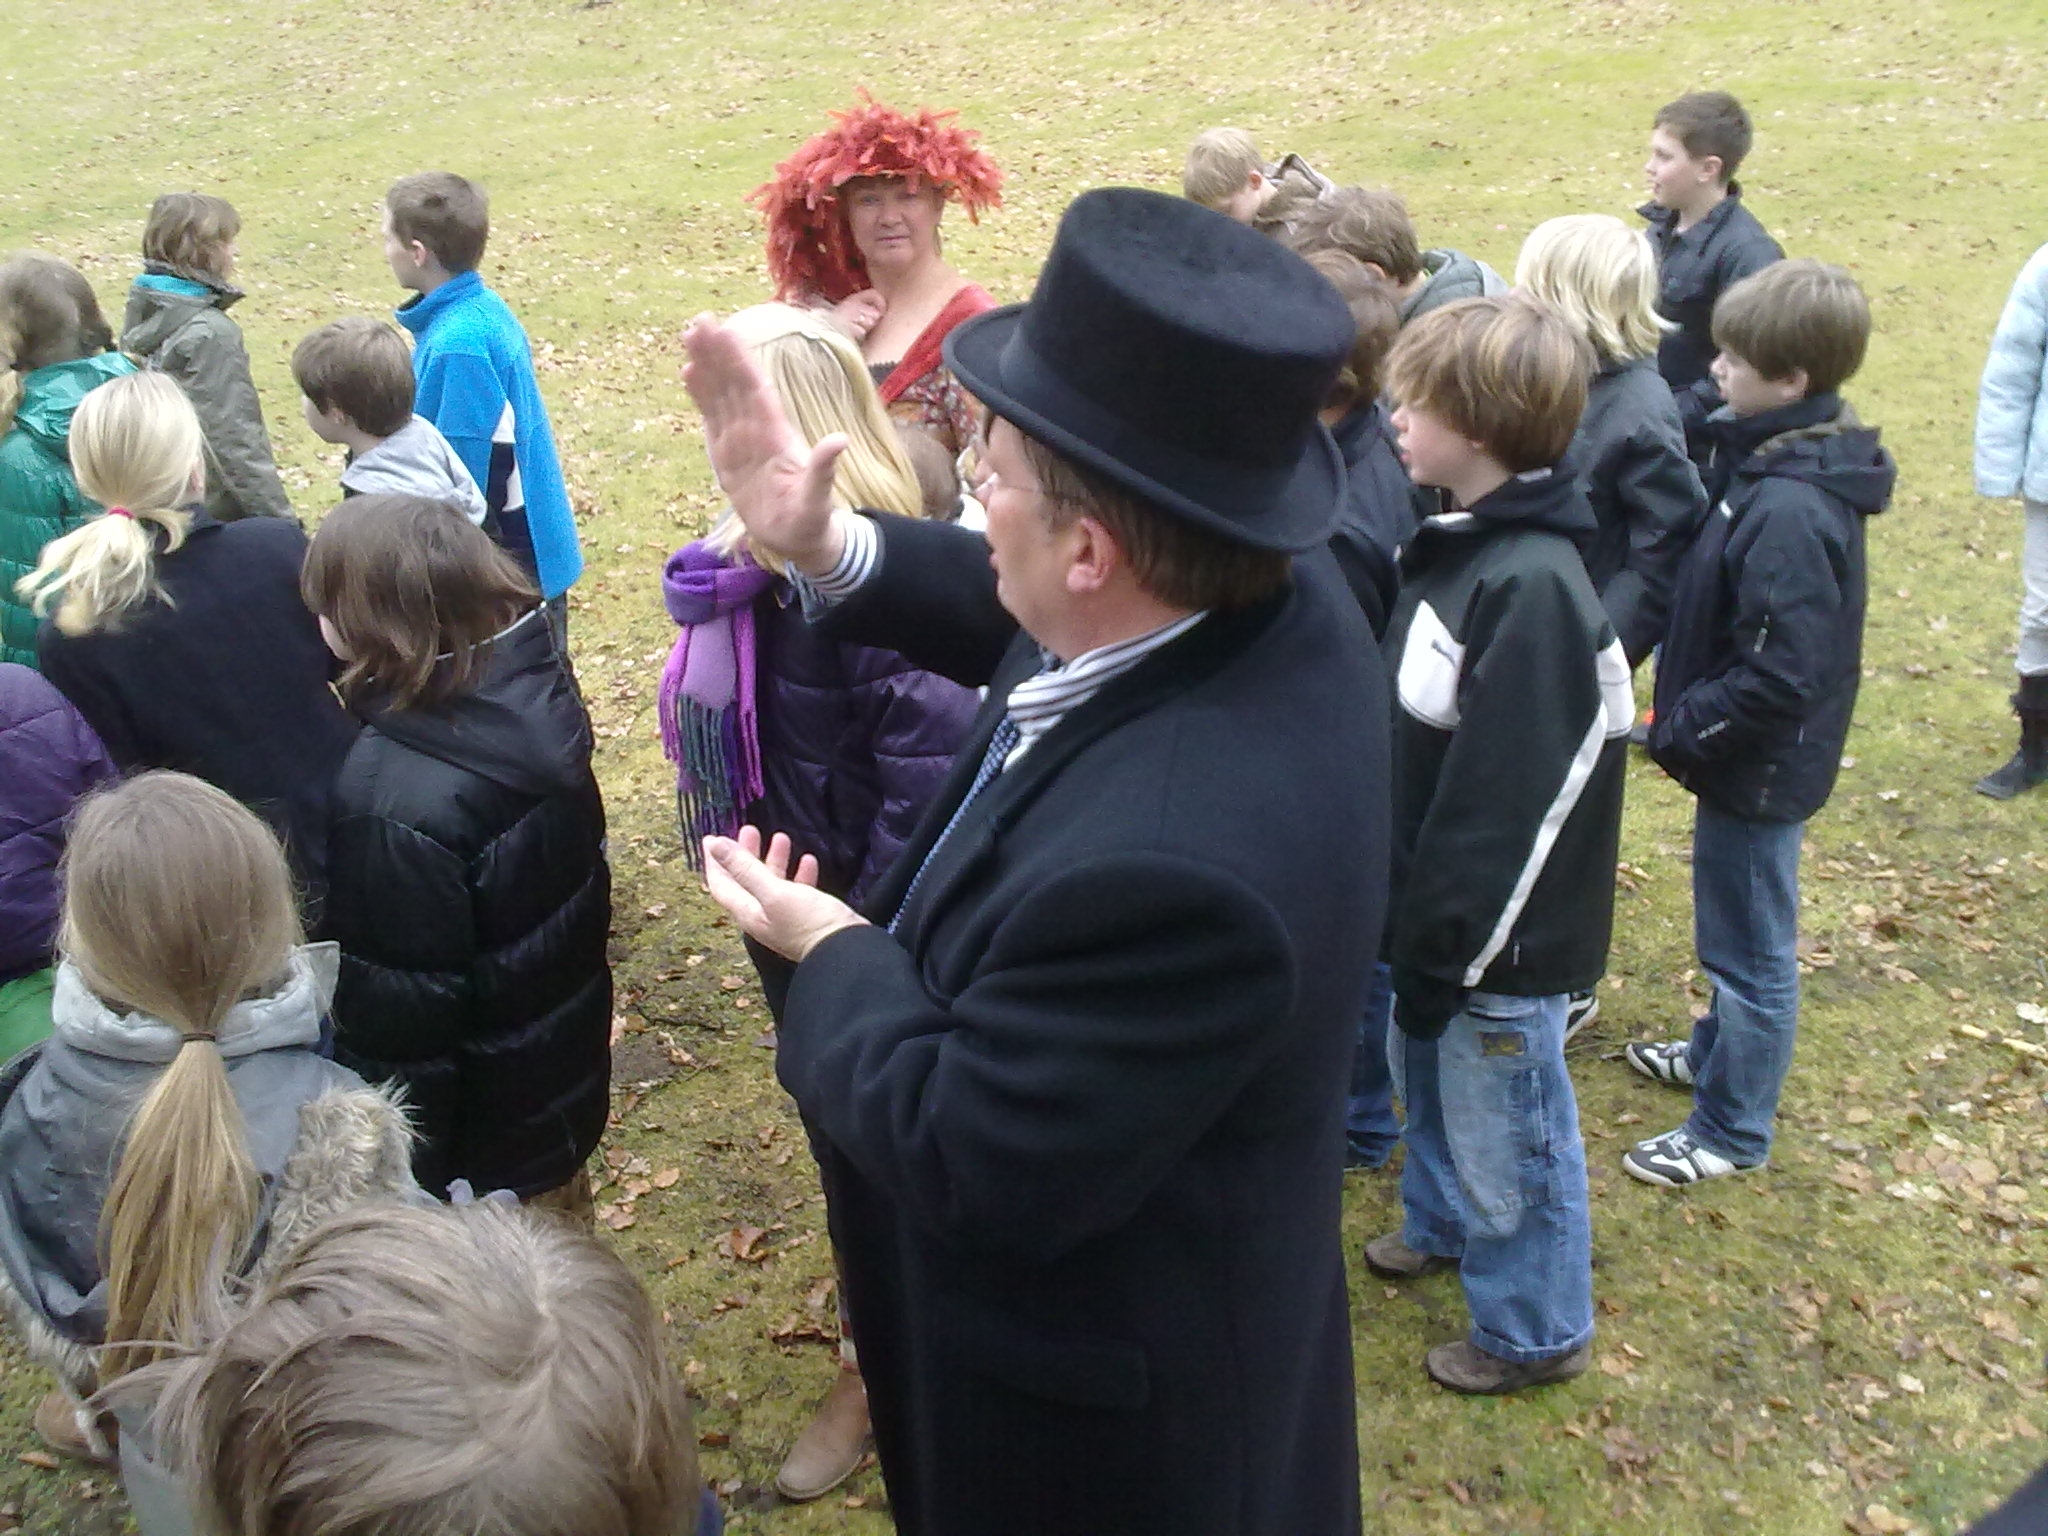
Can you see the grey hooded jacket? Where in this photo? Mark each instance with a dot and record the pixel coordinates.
(320, 1139)
(416, 460)
(178, 325)
(1451, 275)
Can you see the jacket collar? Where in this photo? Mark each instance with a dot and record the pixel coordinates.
(418, 312)
(289, 1015)
(1743, 437)
(1665, 220)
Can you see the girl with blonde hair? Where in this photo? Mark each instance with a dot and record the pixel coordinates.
(178, 324)
(772, 723)
(181, 1127)
(1629, 451)
(182, 640)
(55, 349)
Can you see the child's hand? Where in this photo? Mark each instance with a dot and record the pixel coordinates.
(787, 913)
(859, 313)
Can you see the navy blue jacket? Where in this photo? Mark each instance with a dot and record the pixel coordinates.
(1081, 1116)
(1757, 678)
(1693, 271)
(1378, 515)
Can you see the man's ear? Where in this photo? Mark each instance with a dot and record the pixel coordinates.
(1096, 558)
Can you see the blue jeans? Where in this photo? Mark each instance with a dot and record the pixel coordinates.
(1370, 1129)
(1496, 1173)
(1745, 917)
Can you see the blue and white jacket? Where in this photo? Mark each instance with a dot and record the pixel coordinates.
(474, 368)
(2012, 402)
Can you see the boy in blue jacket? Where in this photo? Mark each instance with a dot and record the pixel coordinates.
(1755, 684)
(474, 368)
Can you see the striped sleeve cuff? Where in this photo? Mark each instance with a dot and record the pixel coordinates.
(856, 563)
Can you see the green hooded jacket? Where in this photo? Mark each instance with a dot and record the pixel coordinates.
(39, 500)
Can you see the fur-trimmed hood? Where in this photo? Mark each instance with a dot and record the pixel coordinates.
(321, 1139)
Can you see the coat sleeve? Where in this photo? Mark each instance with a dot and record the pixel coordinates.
(1661, 501)
(1118, 1010)
(1788, 600)
(931, 599)
(916, 724)
(2009, 397)
(1531, 724)
(210, 362)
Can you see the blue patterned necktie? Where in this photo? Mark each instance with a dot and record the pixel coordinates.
(1000, 746)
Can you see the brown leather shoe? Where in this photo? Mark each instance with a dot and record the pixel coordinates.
(1465, 1367)
(831, 1445)
(57, 1422)
(1391, 1259)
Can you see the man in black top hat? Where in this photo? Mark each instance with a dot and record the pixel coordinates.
(1076, 1075)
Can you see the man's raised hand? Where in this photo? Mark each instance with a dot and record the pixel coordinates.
(780, 488)
(786, 912)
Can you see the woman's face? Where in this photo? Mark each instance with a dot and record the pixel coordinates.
(892, 226)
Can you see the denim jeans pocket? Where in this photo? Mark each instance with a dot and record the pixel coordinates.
(1496, 1096)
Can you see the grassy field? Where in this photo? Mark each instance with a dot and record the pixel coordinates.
(1852, 1340)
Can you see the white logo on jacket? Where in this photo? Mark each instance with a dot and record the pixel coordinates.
(1432, 662)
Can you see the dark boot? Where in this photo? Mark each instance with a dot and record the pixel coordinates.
(2029, 765)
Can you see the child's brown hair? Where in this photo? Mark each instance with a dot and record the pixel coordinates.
(1375, 314)
(1710, 123)
(177, 904)
(1794, 316)
(448, 214)
(48, 314)
(938, 475)
(189, 232)
(1507, 372)
(361, 368)
(415, 592)
(1366, 223)
(465, 1368)
(1220, 162)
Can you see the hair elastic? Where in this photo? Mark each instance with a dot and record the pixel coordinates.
(212, 1037)
(121, 512)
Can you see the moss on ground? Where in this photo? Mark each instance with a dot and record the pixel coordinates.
(1851, 1339)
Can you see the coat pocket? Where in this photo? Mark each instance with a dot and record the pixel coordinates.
(1431, 664)
(1084, 1371)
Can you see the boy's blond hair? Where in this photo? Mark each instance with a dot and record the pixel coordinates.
(1600, 275)
(1507, 372)
(189, 232)
(1793, 316)
(459, 1368)
(1220, 162)
(1710, 123)
(360, 367)
(448, 214)
(1366, 223)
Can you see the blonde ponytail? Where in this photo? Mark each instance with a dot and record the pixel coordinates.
(178, 904)
(136, 446)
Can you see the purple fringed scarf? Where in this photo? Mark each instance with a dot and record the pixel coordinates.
(708, 725)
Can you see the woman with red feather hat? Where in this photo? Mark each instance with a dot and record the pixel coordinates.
(853, 227)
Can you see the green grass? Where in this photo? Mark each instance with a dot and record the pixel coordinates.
(1858, 1327)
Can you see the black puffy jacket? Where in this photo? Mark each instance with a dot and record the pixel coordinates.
(472, 903)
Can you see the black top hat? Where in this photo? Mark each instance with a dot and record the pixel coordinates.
(1182, 355)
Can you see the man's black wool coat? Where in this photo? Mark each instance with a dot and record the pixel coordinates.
(1081, 1122)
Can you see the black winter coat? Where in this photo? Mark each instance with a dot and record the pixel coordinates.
(472, 902)
(1082, 1118)
(854, 744)
(1511, 726)
(1629, 455)
(1378, 515)
(1693, 271)
(1757, 678)
(225, 677)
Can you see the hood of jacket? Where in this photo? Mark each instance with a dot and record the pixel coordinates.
(523, 725)
(416, 460)
(1451, 275)
(290, 1015)
(49, 397)
(163, 301)
(1549, 499)
(1817, 441)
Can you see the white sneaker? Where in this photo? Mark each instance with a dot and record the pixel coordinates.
(1661, 1061)
(1675, 1158)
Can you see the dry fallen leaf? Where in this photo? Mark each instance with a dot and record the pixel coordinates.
(666, 1179)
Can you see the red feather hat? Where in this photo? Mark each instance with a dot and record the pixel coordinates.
(810, 249)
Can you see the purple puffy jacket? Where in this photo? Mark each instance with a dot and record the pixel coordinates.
(49, 757)
(854, 744)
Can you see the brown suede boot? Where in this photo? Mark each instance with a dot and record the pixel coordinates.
(831, 1445)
